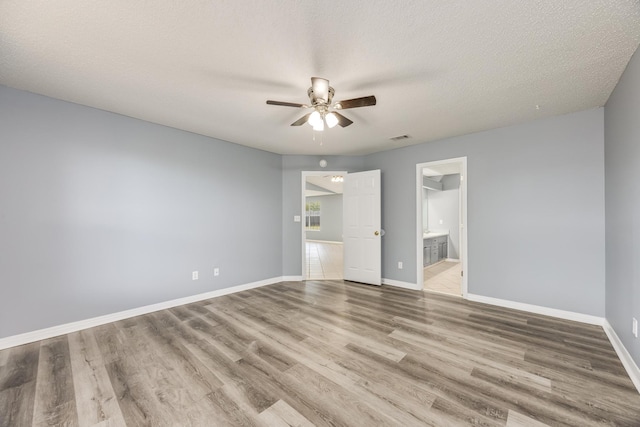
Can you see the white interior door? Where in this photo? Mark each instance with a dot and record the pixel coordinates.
(361, 227)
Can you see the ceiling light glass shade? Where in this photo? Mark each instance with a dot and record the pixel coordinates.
(331, 120)
(315, 119)
(318, 126)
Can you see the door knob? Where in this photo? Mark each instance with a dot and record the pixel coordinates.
(377, 233)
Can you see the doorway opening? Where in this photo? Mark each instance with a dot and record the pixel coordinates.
(441, 232)
(322, 245)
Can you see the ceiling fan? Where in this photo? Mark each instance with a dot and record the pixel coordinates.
(321, 95)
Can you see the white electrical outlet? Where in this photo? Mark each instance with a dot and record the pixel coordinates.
(216, 271)
(399, 265)
(296, 218)
(194, 275)
(634, 327)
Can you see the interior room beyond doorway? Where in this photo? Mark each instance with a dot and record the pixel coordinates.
(441, 226)
(322, 226)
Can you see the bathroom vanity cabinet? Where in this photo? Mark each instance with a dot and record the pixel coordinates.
(435, 248)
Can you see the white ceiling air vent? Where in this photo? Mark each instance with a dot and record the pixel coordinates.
(400, 137)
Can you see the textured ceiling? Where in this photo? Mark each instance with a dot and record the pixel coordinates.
(438, 68)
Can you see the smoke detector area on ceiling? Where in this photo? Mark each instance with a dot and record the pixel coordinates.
(399, 137)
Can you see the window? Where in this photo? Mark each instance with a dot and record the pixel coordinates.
(312, 216)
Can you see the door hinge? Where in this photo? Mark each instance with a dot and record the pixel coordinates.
(461, 273)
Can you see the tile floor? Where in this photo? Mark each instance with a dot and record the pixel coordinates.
(324, 260)
(443, 277)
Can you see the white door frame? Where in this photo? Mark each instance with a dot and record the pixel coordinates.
(305, 174)
(464, 257)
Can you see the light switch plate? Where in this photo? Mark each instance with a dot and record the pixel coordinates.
(296, 218)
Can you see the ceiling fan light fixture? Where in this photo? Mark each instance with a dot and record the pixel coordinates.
(315, 118)
(331, 120)
(322, 108)
(318, 126)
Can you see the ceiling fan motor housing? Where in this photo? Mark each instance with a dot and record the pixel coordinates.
(318, 99)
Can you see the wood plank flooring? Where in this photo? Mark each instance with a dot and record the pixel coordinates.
(322, 353)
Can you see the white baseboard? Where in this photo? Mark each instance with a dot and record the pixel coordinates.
(562, 314)
(68, 328)
(291, 278)
(399, 284)
(628, 363)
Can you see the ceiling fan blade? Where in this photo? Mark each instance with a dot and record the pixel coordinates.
(320, 88)
(365, 101)
(287, 104)
(342, 120)
(302, 120)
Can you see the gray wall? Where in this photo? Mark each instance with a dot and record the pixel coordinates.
(445, 205)
(330, 218)
(101, 213)
(292, 167)
(549, 214)
(622, 173)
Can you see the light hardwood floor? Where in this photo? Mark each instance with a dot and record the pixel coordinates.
(322, 353)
